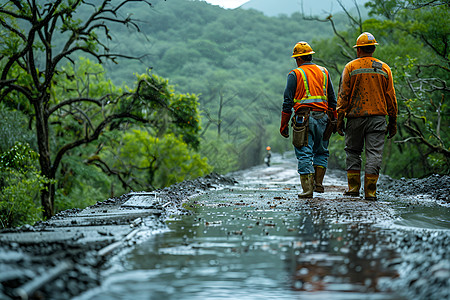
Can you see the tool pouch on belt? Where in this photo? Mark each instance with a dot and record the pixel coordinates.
(331, 126)
(300, 129)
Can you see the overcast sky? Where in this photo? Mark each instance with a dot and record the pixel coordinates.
(227, 3)
(276, 7)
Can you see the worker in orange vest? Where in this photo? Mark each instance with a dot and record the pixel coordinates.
(309, 92)
(366, 95)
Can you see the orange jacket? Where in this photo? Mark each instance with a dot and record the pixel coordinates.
(367, 89)
(312, 84)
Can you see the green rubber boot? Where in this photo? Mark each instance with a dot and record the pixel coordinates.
(307, 181)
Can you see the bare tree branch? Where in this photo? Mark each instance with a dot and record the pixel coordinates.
(94, 136)
(333, 26)
(95, 160)
(98, 102)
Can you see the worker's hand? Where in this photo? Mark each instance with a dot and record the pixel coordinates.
(284, 128)
(340, 124)
(285, 132)
(391, 127)
(333, 118)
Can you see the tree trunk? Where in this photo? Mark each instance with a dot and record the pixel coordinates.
(47, 200)
(219, 114)
(48, 194)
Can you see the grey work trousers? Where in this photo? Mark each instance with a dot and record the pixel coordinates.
(369, 131)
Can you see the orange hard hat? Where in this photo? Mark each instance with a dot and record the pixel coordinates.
(302, 48)
(268, 148)
(365, 39)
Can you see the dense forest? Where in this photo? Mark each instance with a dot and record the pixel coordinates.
(101, 99)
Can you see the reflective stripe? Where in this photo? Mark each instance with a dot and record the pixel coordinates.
(312, 99)
(305, 82)
(325, 78)
(369, 71)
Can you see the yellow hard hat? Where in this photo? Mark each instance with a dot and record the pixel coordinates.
(302, 48)
(365, 39)
(268, 148)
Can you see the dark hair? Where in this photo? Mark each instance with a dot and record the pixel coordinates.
(368, 49)
(306, 57)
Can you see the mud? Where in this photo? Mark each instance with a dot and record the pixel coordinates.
(65, 256)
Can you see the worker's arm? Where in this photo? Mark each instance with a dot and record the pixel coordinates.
(288, 104)
(331, 97)
(344, 92)
(289, 93)
(342, 101)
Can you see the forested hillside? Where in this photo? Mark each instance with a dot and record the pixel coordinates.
(235, 60)
(100, 100)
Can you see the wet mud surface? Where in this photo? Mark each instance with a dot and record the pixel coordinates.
(245, 235)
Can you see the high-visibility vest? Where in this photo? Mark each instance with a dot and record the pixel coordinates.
(312, 84)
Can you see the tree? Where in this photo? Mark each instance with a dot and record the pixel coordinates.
(164, 153)
(30, 57)
(146, 162)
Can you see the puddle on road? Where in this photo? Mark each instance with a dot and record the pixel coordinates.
(421, 214)
(425, 217)
(247, 249)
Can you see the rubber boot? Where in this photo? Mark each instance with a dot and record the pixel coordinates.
(354, 183)
(318, 178)
(307, 181)
(370, 186)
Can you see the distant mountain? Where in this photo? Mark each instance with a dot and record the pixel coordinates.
(316, 7)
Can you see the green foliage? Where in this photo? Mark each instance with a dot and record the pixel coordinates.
(172, 118)
(149, 162)
(20, 184)
(102, 170)
(81, 184)
(31, 69)
(168, 111)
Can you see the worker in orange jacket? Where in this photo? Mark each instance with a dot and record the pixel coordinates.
(309, 92)
(366, 95)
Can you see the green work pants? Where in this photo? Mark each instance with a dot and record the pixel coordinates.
(365, 132)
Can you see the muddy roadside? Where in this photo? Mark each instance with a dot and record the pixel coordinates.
(63, 257)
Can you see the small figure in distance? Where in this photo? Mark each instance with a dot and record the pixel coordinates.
(268, 155)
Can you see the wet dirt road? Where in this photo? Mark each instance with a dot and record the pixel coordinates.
(257, 240)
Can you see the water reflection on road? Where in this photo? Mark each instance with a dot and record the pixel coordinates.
(257, 240)
(236, 247)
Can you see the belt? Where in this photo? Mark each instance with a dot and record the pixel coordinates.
(303, 110)
(318, 114)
